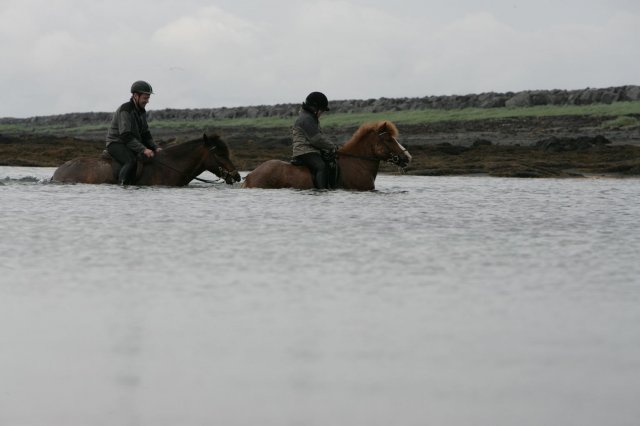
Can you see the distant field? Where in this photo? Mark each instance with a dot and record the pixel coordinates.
(615, 110)
(622, 114)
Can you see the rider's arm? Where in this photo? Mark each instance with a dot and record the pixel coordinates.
(147, 139)
(315, 136)
(126, 132)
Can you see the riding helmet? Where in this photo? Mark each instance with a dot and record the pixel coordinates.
(318, 101)
(141, 87)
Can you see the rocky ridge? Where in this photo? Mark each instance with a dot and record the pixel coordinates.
(483, 100)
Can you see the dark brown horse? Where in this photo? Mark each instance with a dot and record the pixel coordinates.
(176, 165)
(358, 161)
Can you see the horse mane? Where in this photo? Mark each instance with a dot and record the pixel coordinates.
(177, 148)
(376, 126)
(221, 146)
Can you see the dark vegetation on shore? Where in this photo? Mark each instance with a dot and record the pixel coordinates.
(533, 140)
(553, 157)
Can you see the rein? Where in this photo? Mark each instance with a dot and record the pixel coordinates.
(361, 157)
(224, 172)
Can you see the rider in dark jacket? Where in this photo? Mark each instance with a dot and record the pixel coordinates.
(309, 141)
(128, 136)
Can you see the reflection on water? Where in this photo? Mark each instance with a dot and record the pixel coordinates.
(444, 300)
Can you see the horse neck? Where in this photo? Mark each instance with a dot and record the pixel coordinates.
(361, 147)
(180, 164)
(358, 169)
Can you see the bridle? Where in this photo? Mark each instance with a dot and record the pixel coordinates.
(393, 158)
(223, 172)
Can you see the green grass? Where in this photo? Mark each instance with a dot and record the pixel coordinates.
(418, 116)
(54, 129)
(467, 114)
(621, 114)
(622, 122)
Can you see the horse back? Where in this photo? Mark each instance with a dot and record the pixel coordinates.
(85, 170)
(275, 174)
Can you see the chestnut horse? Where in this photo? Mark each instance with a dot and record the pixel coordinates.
(358, 162)
(176, 165)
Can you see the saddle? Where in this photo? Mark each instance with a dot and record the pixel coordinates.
(333, 171)
(116, 166)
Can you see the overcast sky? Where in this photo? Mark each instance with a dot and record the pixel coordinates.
(61, 56)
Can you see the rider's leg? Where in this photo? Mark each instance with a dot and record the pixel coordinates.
(127, 159)
(317, 166)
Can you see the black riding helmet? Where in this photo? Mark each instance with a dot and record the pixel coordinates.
(141, 87)
(318, 101)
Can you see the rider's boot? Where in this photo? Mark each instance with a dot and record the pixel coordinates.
(125, 177)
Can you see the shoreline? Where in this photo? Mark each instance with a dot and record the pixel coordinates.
(566, 146)
(552, 157)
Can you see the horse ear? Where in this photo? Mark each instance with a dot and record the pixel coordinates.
(207, 141)
(384, 127)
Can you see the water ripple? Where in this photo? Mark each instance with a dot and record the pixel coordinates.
(439, 289)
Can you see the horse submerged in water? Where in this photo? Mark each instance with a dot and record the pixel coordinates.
(358, 162)
(176, 165)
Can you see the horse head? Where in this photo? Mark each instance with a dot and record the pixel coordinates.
(218, 161)
(386, 147)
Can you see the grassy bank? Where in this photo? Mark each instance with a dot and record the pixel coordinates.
(615, 110)
(441, 141)
(618, 115)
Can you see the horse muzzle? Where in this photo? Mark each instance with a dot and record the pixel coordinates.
(230, 176)
(401, 160)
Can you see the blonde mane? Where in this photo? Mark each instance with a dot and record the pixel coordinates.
(377, 127)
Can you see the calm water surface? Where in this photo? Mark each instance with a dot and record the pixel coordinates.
(432, 301)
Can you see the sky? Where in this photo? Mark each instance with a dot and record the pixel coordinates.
(64, 56)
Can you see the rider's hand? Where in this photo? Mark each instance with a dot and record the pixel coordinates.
(147, 153)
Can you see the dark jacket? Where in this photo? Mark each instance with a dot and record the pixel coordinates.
(307, 136)
(129, 126)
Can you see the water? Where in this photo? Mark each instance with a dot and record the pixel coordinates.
(432, 301)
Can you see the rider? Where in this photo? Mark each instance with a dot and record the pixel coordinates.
(129, 136)
(309, 141)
